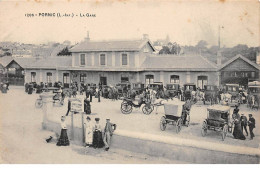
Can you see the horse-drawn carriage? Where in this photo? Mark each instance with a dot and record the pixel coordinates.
(210, 94)
(231, 95)
(128, 104)
(122, 88)
(138, 88)
(189, 92)
(173, 89)
(175, 114)
(253, 95)
(218, 119)
(158, 87)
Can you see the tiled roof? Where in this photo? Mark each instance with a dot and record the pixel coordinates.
(178, 63)
(51, 62)
(5, 60)
(22, 61)
(134, 45)
(237, 57)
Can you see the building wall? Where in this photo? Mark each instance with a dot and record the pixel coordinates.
(135, 58)
(115, 77)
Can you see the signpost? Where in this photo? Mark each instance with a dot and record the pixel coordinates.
(77, 105)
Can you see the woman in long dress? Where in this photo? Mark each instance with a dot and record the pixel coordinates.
(88, 132)
(63, 140)
(237, 133)
(97, 141)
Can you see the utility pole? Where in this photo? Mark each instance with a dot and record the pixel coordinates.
(219, 37)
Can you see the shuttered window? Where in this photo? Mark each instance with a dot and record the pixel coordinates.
(82, 59)
(102, 59)
(124, 60)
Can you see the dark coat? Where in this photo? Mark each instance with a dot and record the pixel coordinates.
(251, 122)
(243, 120)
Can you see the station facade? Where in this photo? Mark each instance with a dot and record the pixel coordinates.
(112, 62)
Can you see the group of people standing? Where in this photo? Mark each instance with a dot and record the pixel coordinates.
(95, 136)
(241, 124)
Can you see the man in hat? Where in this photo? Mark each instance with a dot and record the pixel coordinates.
(243, 121)
(108, 132)
(251, 124)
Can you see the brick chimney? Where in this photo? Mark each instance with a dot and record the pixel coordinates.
(219, 58)
(87, 39)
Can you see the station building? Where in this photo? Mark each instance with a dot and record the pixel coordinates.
(112, 62)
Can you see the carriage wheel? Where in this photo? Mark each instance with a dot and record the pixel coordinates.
(163, 123)
(147, 109)
(204, 129)
(187, 123)
(178, 125)
(38, 103)
(126, 108)
(224, 132)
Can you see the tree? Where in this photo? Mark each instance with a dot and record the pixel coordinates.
(65, 52)
(165, 50)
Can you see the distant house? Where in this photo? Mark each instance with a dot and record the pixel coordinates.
(14, 68)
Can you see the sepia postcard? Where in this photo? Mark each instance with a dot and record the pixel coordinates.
(129, 82)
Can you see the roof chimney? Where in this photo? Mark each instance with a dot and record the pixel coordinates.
(87, 38)
(219, 58)
(145, 36)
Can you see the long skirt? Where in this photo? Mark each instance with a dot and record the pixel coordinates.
(237, 133)
(63, 140)
(97, 140)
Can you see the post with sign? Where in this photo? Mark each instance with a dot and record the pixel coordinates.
(77, 106)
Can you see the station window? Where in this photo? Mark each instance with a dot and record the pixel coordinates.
(202, 81)
(102, 59)
(66, 78)
(175, 79)
(124, 59)
(33, 76)
(124, 79)
(49, 77)
(82, 59)
(83, 77)
(149, 79)
(252, 74)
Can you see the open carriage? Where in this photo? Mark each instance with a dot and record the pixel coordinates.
(175, 114)
(218, 119)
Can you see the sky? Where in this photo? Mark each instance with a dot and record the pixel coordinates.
(186, 22)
